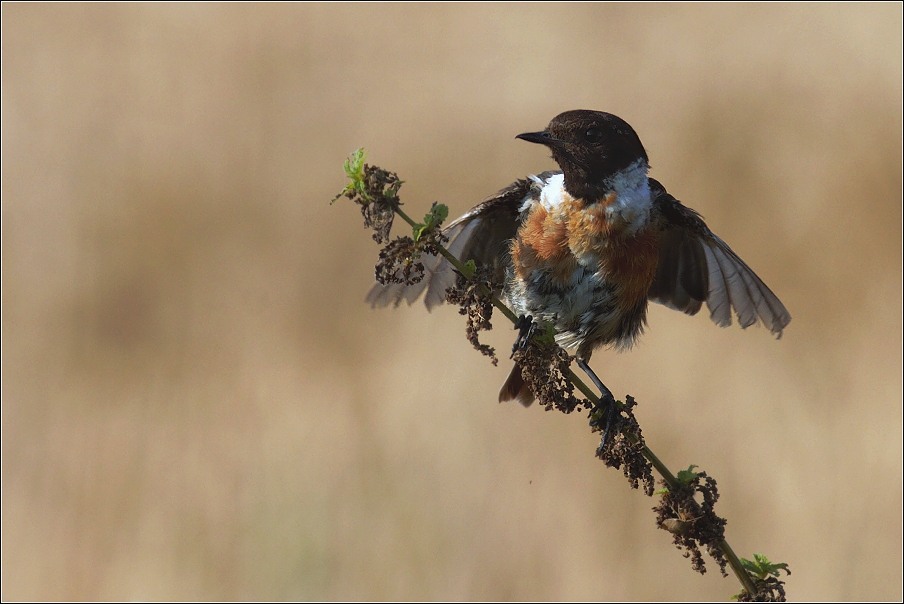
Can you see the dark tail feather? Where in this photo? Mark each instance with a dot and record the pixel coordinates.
(514, 388)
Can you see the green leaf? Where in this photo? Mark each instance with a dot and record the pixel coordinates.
(354, 170)
(470, 269)
(438, 213)
(687, 476)
(762, 567)
(354, 165)
(663, 491)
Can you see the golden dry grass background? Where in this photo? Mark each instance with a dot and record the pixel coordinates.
(198, 404)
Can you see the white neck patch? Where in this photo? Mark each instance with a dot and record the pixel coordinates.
(633, 200)
(553, 193)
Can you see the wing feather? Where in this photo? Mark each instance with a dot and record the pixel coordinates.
(739, 296)
(764, 304)
(695, 265)
(717, 299)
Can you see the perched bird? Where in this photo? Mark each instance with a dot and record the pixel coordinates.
(587, 247)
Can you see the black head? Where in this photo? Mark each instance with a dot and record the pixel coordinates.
(590, 147)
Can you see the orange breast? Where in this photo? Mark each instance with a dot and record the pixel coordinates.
(542, 242)
(559, 240)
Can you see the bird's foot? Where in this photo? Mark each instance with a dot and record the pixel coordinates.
(607, 409)
(526, 327)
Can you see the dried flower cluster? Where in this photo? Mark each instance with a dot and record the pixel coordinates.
(693, 525)
(399, 259)
(624, 448)
(374, 189)
(770, 589)
(474, 298)
(545, 368)
(398, 263)
(382, 189)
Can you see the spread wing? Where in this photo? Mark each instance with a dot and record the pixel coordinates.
(695, 266)
(482, 234)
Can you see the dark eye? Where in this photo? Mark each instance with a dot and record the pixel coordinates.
(593, 135)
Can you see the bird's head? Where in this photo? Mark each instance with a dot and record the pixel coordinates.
(591, 147)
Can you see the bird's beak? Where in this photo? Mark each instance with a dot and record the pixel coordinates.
(543, 138)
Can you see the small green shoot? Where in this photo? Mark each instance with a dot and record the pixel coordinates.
(687, 476)
(684, 477)
(470, 270)
(354, 170)
(761, 567)
(437, 214)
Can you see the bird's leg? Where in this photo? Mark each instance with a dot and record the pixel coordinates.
(606, 399)
(526, 329)
(605, 394)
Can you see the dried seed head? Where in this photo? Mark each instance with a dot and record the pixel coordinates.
(698, 526)
(545, 370)
(474, 299)
(624, 449)
(398, 263)
(770, 589)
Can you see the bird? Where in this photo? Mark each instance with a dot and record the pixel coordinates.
(586, 247)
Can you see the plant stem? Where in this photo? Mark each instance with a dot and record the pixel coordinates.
(735, 564)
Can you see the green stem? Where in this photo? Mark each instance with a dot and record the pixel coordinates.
(669, 478)
(398, 210)
(735, 564)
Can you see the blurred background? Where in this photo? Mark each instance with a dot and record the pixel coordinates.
(197, 403)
